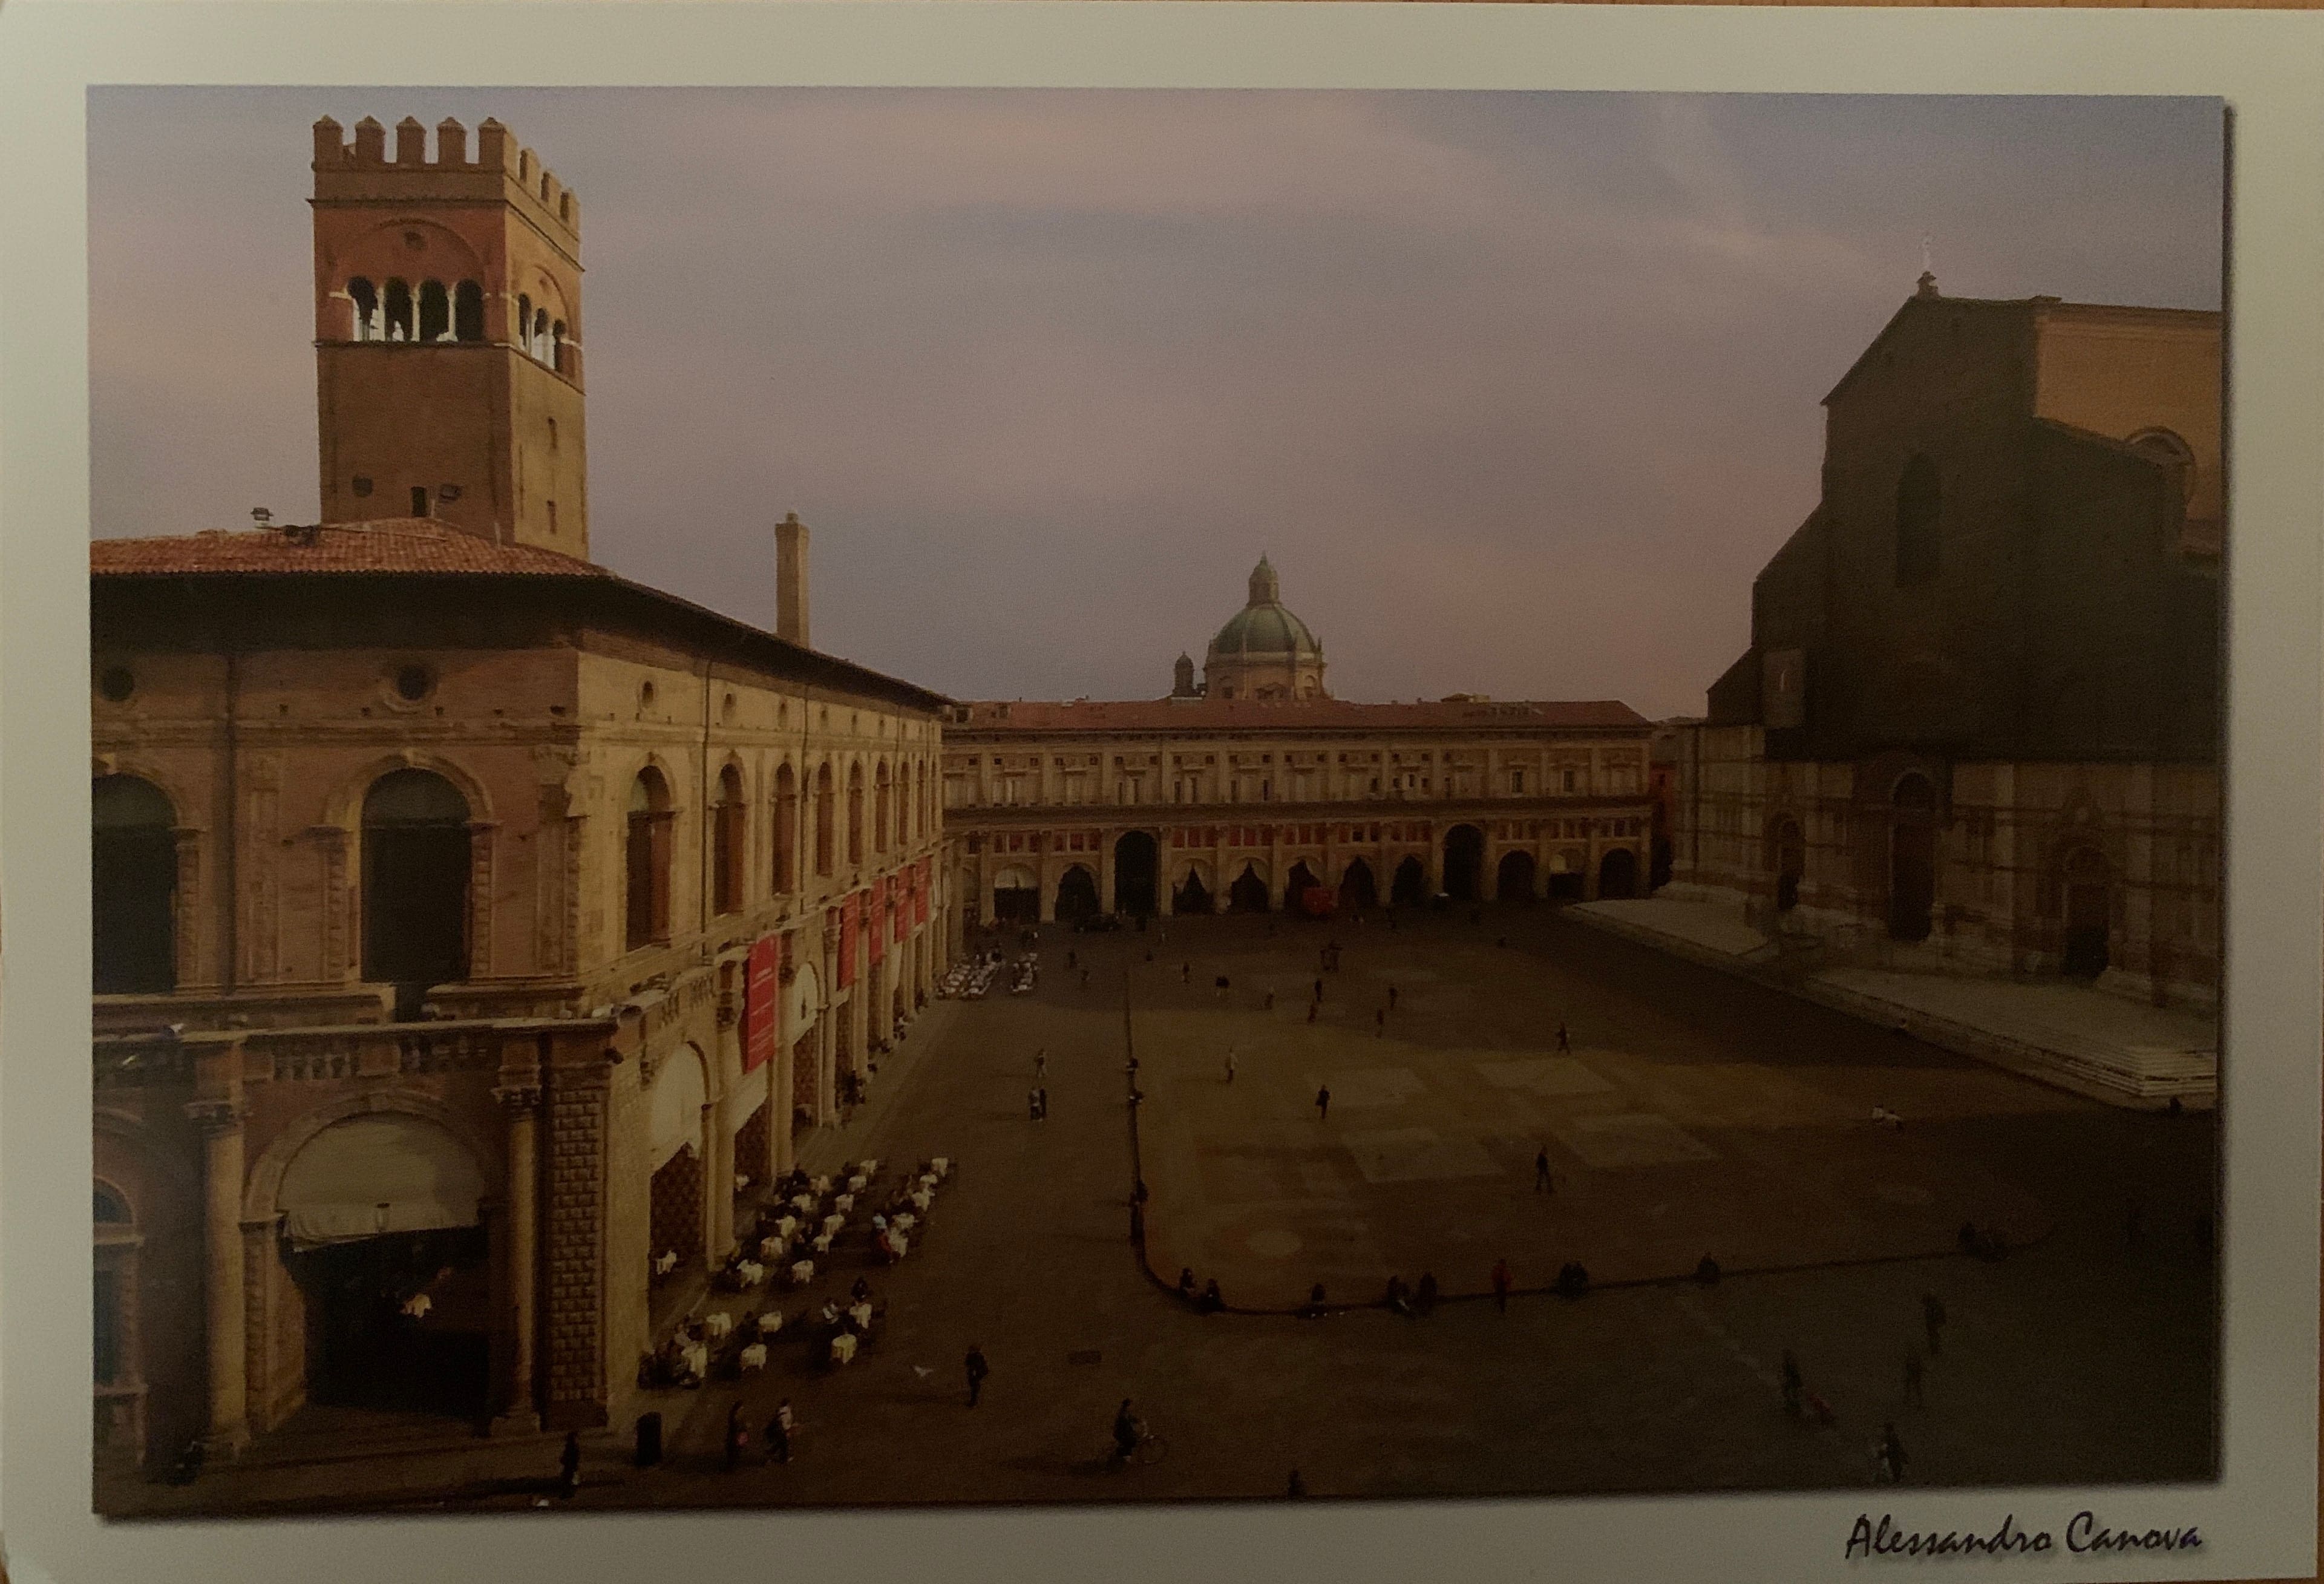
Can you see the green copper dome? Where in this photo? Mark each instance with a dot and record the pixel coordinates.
(1265, 626)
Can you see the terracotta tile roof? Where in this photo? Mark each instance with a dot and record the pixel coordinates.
(1226, 715)
(401, 545)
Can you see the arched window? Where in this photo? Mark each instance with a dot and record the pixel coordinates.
(648, 855)
(415, 884)
(855, 816)
(727, 860)
(468, 312)
(365, 298)
(522, 334)
(398, 311)
(116, 1259)
(2175, 455)
(135, 885)
(434, 311)
(557, 345)
(540, 334)
(823, 820)
(1919, 504)
(883, 810)
(786, 832)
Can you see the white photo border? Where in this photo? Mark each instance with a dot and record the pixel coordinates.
(2258, 1520)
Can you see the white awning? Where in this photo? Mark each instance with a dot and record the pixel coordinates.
(378, 1174)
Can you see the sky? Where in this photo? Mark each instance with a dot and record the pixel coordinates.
(1518, 391)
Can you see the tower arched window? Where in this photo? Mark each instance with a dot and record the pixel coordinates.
(556, 344)
(883, 799)
(823, 820)
(364, 297)
(399, 326)
(540, 334)
(523, 328)
(786, 832)
(2175, 455)
(855, 816)
(468, 312)
(134, 877)
(727, 860)
(1920, 501)
(647, 860)
(434, 311)
(415, 866)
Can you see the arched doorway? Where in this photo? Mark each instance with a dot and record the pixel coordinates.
(415, 884)
(1569, 872)
(387, 1243)
(1192, 896)
(1016, 896)
(2087, 892)
(1137, 873)
(1911, 858)
(133, 886)
(1076, 894)
(1358, 889)
(1513, 882)
(1248, 892)
(1788, 858)
(1618, 874)
(646, 860)
(1299, 882)
(1410, 886)
(674, 1136)
(1464, 862)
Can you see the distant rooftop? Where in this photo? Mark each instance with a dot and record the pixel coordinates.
(1205, 714)
(403, 545)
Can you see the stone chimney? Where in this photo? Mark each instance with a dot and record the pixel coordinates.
(790, 580)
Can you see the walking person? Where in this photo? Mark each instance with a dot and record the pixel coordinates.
(568, 1465)
(1313, 1007)
(1501, 1286)
(1891, 1454)
(1913, 1381)
(1298, 1488)
(1185, 973)
(738, 1436)
(778, 1435)
(1323, 1103)
(1319, 990)
(976, 1370)
(1231, 1063)
(1041, 1100)
(1932, 1314)
(1794, 1387)
(1541, 1182)
(1033, 1104)
(1392, 997)
(1085, 979)
(1379, 1022)
(1041, 1065)
(1564, 1043)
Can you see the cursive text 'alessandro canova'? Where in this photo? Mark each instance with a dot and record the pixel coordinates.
(2083, 1534)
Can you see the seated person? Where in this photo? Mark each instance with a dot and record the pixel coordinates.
(1127, 1430)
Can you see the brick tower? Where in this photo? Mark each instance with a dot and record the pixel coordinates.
(448, 334)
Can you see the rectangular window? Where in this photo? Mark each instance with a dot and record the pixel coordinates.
(1516, 783)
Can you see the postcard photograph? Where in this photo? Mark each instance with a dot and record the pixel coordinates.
(1113, 795)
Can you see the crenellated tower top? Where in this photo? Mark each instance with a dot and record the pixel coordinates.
(360, 169)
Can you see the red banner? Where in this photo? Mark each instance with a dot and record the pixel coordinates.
(901, 913)
(875, 926)
(920, 892)
(761, 1002)
(851, 914)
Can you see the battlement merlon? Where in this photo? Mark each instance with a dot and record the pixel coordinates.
(360, 171)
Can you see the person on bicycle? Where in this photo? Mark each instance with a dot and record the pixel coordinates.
(1127, 1431)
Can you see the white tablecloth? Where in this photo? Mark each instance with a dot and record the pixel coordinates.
(820, 1184)
(771, 1247)
(754, 1357)
(803, 1272)
(803, 1202)
(842, 1349)
(942, 1164)
(717, 1325)
(861, 1314)
(831, 1223)
(751, 1272)
(904, 1221)
(922, 1200)
(785, 1225)
(822, 1244)
(856, 1183)
(771, 1322)
(844, 1203)
(696, 1358)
